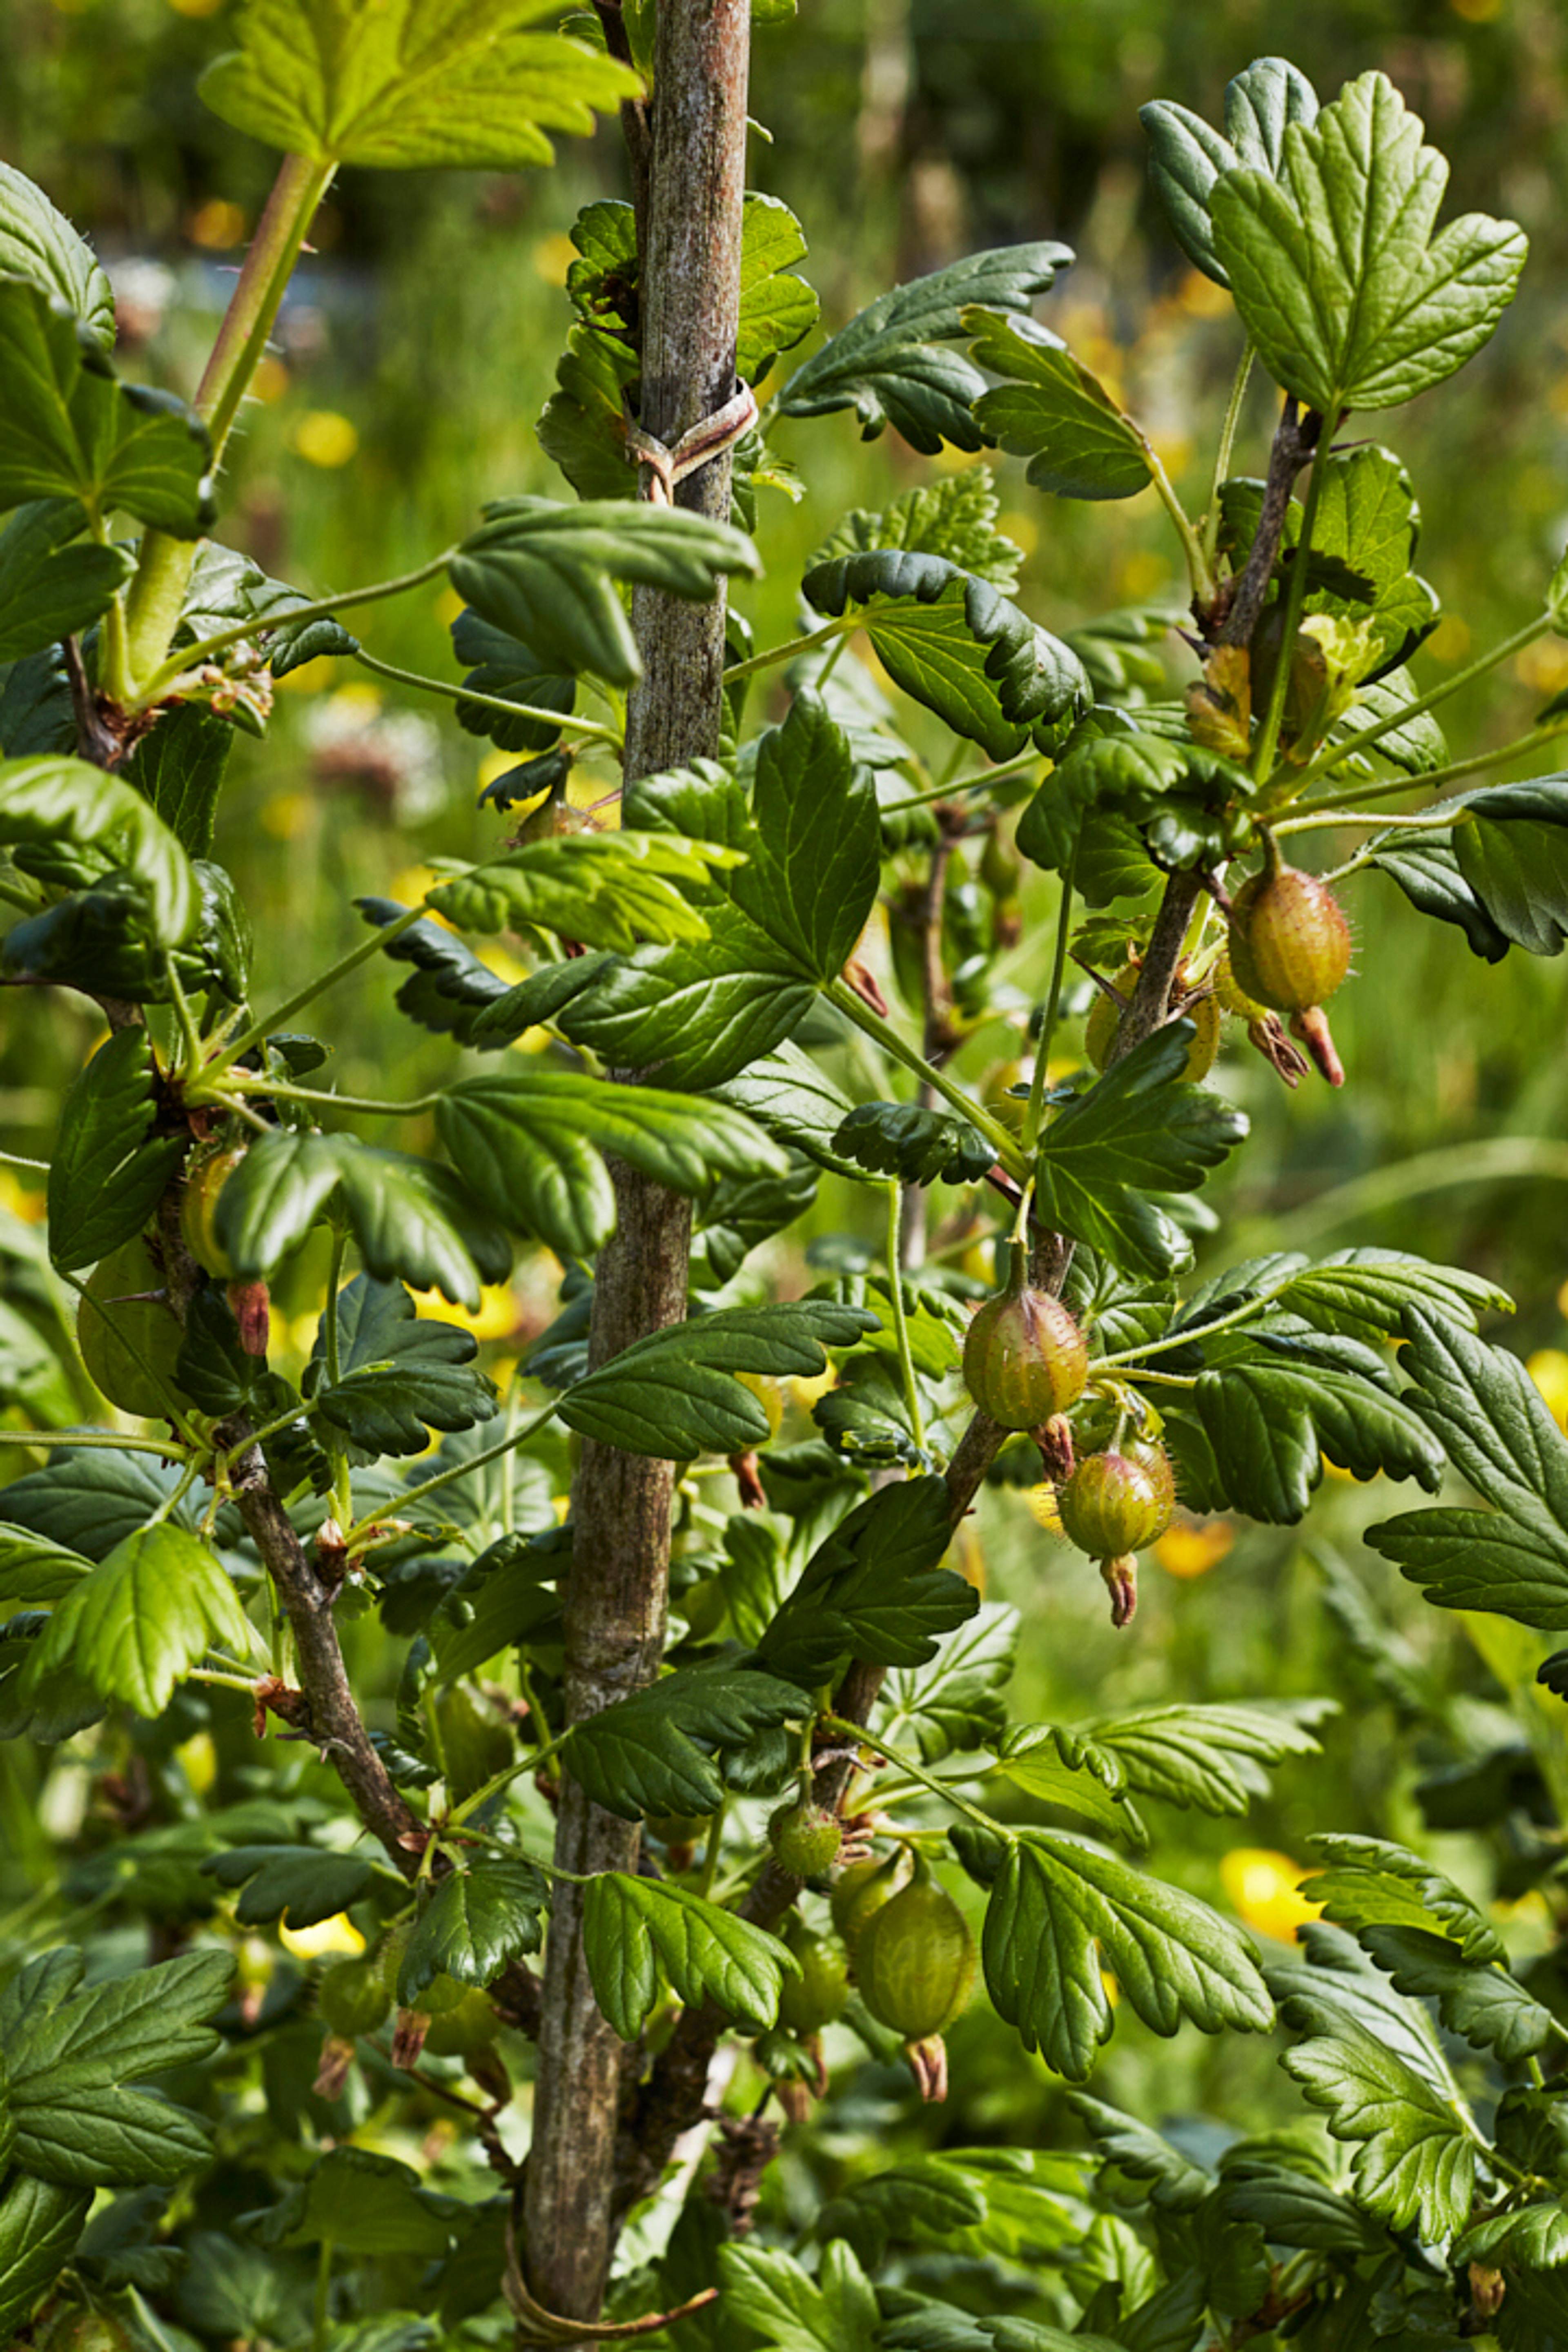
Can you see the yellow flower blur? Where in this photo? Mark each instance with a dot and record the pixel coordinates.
(1265, 1888)
(325, 1940)
(1548, 1367)
(322, 437)
(1188, 1550)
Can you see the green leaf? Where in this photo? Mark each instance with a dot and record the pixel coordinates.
(662, 1750)
(36, 1571)
(502, 666)
(956, 644)
(52, 583)
(47, 804)
(546, 573)
(1370, 1882)
(1414, 2160)
(1487, 2007)
(743, 1212)
(477, 1920)
(107, 1173)
(416, 84)
(412, 1219)
(298, 1884)
(1364, 539)
(918, 1146)
(583, 426)
(1363, 1292)
(1513, 853)
(1533, 2236)
(770, 2293)
(1207, 1755)
(1277, 1407)
(1055, 411)
(776, 308)
(792, 1100)
(180, 769)
(70, 430)
(1186, 156)
(1057, 1768)
(599, 890)
(696, 1013)
(399, 1374)
(70, 2054)
(147, 1615)
(40, 2221)
(953, 1704)
(1056, 1897)
(873, 1587)
(1427, 871)
(38, 243)
(955, 518)
(811, 880)
(363, 2203)
(89, 1498)
(529, 1142)
(674, 1393)
(1350, 297)
(891, 364)
(1174, 2184)
(1494, 1425)
(1141, 1128)
(641, 1934)
(1143, 777)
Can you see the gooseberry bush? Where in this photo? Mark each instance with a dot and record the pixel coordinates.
(679, 1777)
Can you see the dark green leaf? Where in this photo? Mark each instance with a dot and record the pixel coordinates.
(674, 1393)
(1415, 2160)
(792, 1100)
(1207, 1755)
(697, 1013)
(501, 666)
(1055, 411)
(89, 1498)
(214, 1369)
(1186, 156)
(662, 1750)
(1175, 2183)
(477, 1920)
(421, 87)
(40, 2221)
(1369, 1882)
(776, 308)
(529, 1142)
(1513, 853)
(638, 1932)
(1139, 774)
(956, 643)
(583, 426)
(599, 890)
(49, 802)
(954, 1702)
(811, 880)
(1270, 1417)
(874, 1589)
(1489, 2008)
(52, 583)
(546, 573)
(918, 1146)
(954, 518)
(362, 2203)
(890, 364)
(298, 1884)
(34, 1570)
(1363, 1292)
(108, 1172)
(1489, 1415)
(69, 430)
(180, 767)
(1428, 870)
(1140, 1128)
(399, 1374)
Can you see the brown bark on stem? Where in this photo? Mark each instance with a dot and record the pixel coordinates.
(615, 1596)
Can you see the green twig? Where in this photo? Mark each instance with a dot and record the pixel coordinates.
(900, 1320)
(322, 608)
(590, 728)
(1350, 745)
(916, 1770)
(264, 1027)
(1017, 766)
(775, 654)
(1268, 742)
(1227, 442)
(399, 1503)
(1034, 1111)
(1388, 787)
(856, 1009)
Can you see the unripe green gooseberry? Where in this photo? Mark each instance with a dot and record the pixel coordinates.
(1289, 943)
(914, 1961)
(1104, 1020)
(352, 1998)
(816, 1997)
(198, 1212)
(128, 1341)
(804, 1838)
(1025, 1358)
(860, 1893)
(1118, 1501)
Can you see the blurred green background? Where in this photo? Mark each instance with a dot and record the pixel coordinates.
(414, 355)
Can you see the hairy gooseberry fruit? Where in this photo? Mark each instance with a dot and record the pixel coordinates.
(198, 1212)
(915, 1962)
(860, 1893)
(1229, 997)
(1025, 1358)
(804, 1838)
(1289, 943)
(816, 1997)
(1118, 1501)
(475, 1744)
(129, 1341)
(1104, 1020)
(352, 1998)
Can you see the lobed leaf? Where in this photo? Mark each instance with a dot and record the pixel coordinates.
(640, 1934)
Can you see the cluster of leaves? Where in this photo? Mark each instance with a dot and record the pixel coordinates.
(705, 945)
